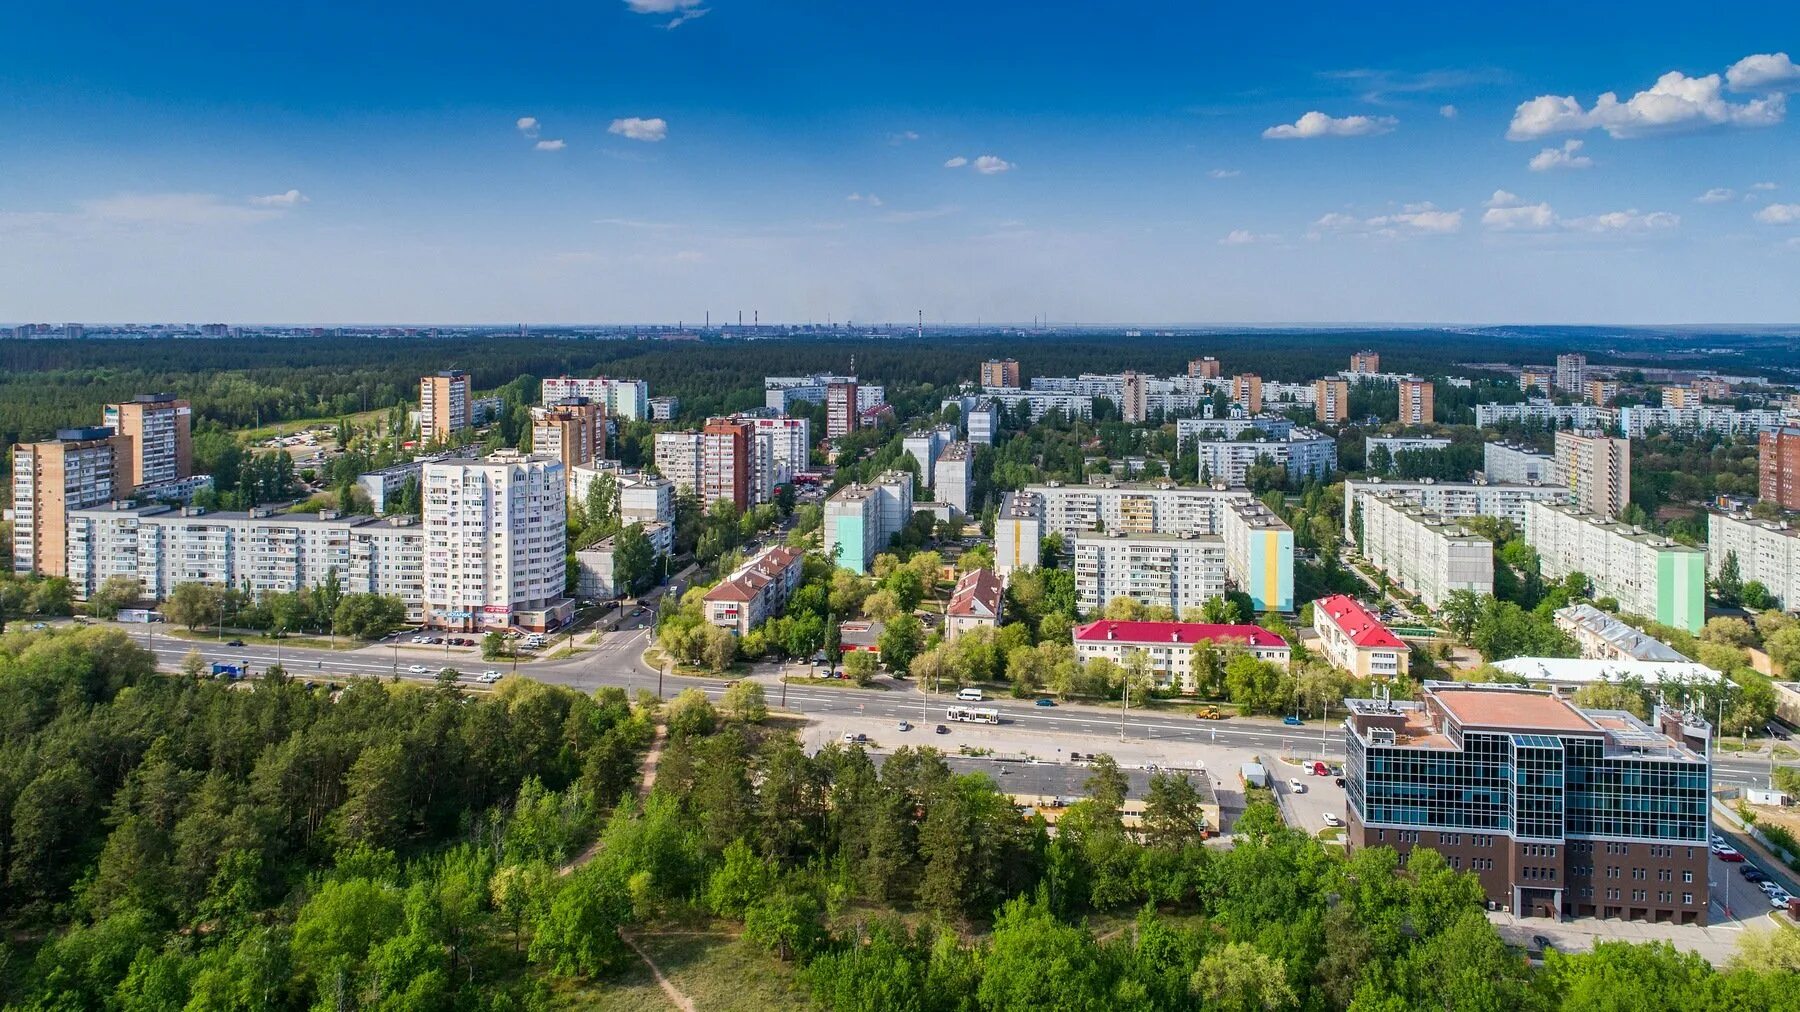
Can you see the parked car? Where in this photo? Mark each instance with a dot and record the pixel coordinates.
(854, 738)
(903, 726)
(1541, 942)
(1292, 721)
(1779, 899)
(1296, 786)
(1331, 819)
(1752, 873)
(1730, 855)
(941, 729)
(1338, 781)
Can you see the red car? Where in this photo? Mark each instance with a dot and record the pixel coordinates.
(1730, 856)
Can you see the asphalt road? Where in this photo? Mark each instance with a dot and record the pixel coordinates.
(618, 661)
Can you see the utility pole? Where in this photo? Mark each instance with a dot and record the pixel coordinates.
(1123, 709)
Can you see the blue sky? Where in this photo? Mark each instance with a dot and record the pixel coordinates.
(650, 160)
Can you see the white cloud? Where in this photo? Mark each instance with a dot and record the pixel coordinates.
(1564, 157)
(1447, 111)
(1317, 124)
(639, 129)
(528, 125)
(1779, 214)
(903, 137)
(864, 198)
(1758, 72)
(187, 209)
(555, 145)
(1762, 186)
(956, 163)
(1224, 173)
(1245, 237)
(1716, 195)
(684, 10)
(1413, 219)
(1675, 102)
(291, 198)
(991, 165)
(1506, 212)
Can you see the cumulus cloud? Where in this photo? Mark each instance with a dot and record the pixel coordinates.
(528, 125)
(640, 129)
(955, 163)
(1779, 214)
(1318, 124)
(1507, 212)
(292, 198)
(991, 165)
(555, 145)
(1675, 102)
(1447, 111)
(1716, 195)
(1224, 173)
(1762, 72)
(864, 198)
(1564, 157)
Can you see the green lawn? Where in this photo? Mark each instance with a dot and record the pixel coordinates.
(261, 639)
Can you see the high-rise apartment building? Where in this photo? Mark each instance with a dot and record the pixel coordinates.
(496, 529)
(622, 398)
(160, 428)
(1176, 571)
(1331, 401)
(1600, 392)
(1596, 469)
(1767, 551)
(1246, 389)
(955, 476)
(1365, 362)
(861, 520)
(678, 459)
(573, 431)
(1571, 371)
(1778, 466)
(1647, 574)
(446, 405)
(1204, 368)
(1506, 462)
(1535, 379)
(1134, 398)
(1018, 533)
(1000, 373)
(1680, 397)
(1415, 401)
(925, 445)
(1558, 810)
(791, 442)
(841, 412)
(1429, 555)
(726, 460)
(982, 422)
(77, 469)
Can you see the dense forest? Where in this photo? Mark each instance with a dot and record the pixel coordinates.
(174, 844)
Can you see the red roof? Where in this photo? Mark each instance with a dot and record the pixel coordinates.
(1364, 629)
(976, 587)
(1186, 633)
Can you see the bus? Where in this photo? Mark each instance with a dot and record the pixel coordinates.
(974, 714)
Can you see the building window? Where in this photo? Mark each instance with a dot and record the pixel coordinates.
(1687, 876)
(1687, 899)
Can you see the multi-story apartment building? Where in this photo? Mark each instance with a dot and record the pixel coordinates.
(646, 499)
(1353, 639)
(597, 576)
(1556, 809)
(260, 551)
(982, 422)
(1305, 453)
(1168, 648)
(77, 469)
(1508, 462)
(1647, 573)
(1203, 368)
(1331, 401)
(727, 454)
(446, 405)
(160, 427)
(1133, 507)
(1571, 371)
(1000, 373)
(1416, 398)
(1637, 419)
(842, 415)
(1134, 398)
(1365, 362)
(664, 409)
(1018, 532)
(860, 520)
(573, 431)
(381, 486)
(1176, 571)
(756, 592)
(1766, 551)
(1269, 426)
(1602, 637)
(495, 532)
(1600, 391)
(678, 459)
(1396, 445)
(1259, 554)
(1532, 378)
(622, 398)
(974, 604)
(1042, 402)
(782, 392)
(925, 445)
(1246, 389)
(1679, 397)
(1596, 469)
(1427, 554)
(1453, 499)
(1778, 466)
(955, 476)
(790, 443)
(1543, 412)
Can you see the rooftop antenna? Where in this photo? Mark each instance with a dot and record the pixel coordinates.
(921, 323)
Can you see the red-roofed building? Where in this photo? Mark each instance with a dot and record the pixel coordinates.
(1355, 640)
(756, 592)
(974, 604)
(1169, 646)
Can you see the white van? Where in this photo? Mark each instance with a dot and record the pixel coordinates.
(969, 695)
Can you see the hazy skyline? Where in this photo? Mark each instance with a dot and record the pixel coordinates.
(656, 159)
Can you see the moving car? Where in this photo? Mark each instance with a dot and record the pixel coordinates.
(1541, 942)
(1331, 819)
(234, 643)
(1319, 769)
(969, 695)
(941, 729)
(1292, 721)
(1296, 786)
(490, 677)
(1046, 701)
(419, 669)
